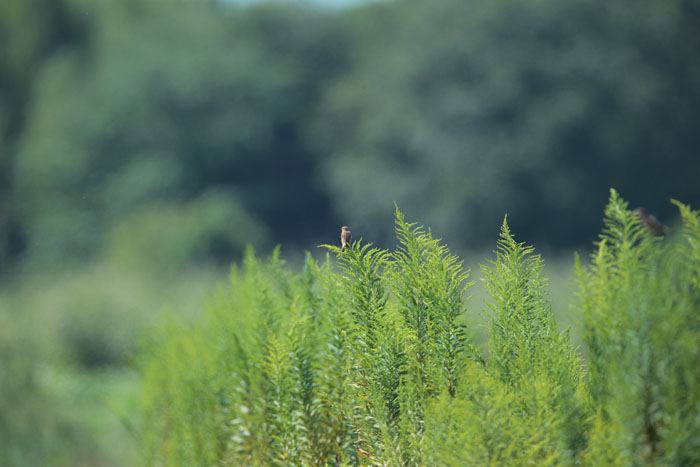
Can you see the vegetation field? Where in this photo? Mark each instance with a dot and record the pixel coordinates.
(146, 144)
(366, 358)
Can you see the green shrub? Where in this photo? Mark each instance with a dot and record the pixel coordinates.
(526, 349)
(371, 364)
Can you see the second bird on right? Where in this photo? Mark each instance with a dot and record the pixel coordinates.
(651, 222)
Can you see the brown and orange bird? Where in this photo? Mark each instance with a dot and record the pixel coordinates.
(345, 236)
(651, 222)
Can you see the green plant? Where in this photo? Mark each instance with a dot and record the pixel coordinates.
(526, 348)
(370, 365)
(639, 300)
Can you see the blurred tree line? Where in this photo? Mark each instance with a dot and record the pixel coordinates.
(173, 132)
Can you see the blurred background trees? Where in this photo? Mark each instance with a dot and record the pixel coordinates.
(285, 119)
(278, 122)
(462, 111)
(30, 32)
(143, 142)
(195, 110)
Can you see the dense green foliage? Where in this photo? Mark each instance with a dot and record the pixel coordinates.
(640, 300)
(373, 365)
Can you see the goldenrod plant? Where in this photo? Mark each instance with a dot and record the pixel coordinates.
(365, 359)
(640, 304)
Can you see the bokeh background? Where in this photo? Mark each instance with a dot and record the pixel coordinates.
(145, 143)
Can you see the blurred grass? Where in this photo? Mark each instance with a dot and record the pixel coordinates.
(71, 396)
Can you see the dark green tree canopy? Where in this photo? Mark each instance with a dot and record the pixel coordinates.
(461, 111)
(283, 122)
(177, 105)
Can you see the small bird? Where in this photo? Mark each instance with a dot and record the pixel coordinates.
(345, 236)
(651, 223)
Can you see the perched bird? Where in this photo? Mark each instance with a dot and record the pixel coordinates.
(651, 223)
(345, 236)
